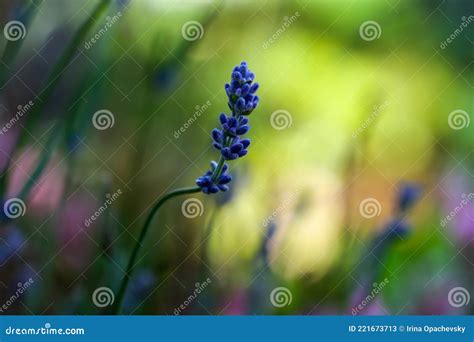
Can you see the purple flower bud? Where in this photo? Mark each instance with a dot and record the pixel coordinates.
(237, 76)
(245, 89)
(216, 135)
(240, 104)
(254, 88)
(241, 101)
(242, 130)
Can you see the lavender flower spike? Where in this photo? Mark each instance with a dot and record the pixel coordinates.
(242, 101)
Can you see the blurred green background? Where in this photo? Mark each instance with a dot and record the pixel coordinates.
(347, 113)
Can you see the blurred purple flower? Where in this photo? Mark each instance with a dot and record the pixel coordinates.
(236, 303)
(11, 239)
(364, 304)
(72, 231)
(140, 287)
(458, 203)
(408, 194)
(464, 223)
(370, 269)
(435, 300)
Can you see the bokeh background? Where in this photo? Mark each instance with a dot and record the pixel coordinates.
(365, 106)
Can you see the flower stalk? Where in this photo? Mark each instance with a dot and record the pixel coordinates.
(241, 101)
(146, 227)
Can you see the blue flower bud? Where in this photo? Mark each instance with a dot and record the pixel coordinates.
(241, 101)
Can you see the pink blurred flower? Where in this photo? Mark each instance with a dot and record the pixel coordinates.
(47, 192)
(435, 301)
(77, 240)
(375, 308)
(366, 301)
(458, 203)
(236, 303)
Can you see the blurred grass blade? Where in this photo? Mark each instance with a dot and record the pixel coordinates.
(65, 60)
(54, 78)
(13, 46)
(43, 161)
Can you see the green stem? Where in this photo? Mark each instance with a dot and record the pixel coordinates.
(131, 262)
(220, 163)
(217, 171)
(66, 59)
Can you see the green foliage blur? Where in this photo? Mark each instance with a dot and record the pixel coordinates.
(341, 119)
